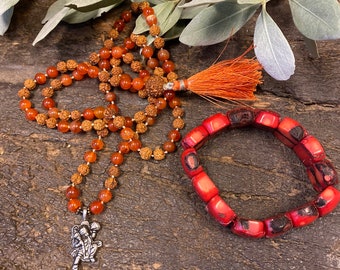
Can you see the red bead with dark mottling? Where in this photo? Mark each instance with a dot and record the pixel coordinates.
(215, 123)
(327, 200)
(248, 228)
(290, 132)
(204, 186)
(309, 150)
(220, 210)
(277, 225)
(304, 215)
(195, 138)
(190, 162)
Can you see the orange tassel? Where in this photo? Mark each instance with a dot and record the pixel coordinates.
(234, 79)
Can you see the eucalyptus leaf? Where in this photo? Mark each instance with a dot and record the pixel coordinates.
(216, 23)
(195, 3)
(318, 20)
(172, 19)
(51, 24)
(190, 12)
(250, 1)
(176, 30)
(6, 5)
(56, 7)
(272, 48)
(5, 20)
(92, 5)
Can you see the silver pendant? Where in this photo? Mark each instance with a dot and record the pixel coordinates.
(83, 241)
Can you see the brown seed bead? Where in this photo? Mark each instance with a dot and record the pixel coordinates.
(108, 43)
(24, 93)
(128, 58)
(71, 64)
(105, 195)
(119, 121)
(139, 117)
(113, 34)
(151, 110)
(159, 42)
(98, 124)
(64, 114)
(154, 86)
(110, 183)
(103, 76)
(47, 92)
(83, 169)
(155, 30)
(145, 153)
(114, 171)
(143, 93)
(109, 113)
(123, 147)
(172, 76)
(143, 5)
(86, 125)
(174, 135)
(127, 133)
(158, 71)
(116, 71)
(104, 87)
(30, 84)
(178, 123)
(136, 66)
(117, 158)
(75, 115)
(141, 40)
(51, 122)
(169, 147)
(56, 84)
(75, 126)
(103, 133)
(115, 62)
(158, 154)
(114, 80)
(134, 7)
(94, 58)
(62, 66)
(41, 118)
(97, 144)
(177, 112)
(76, 178)
(141, 128)
(135, 145)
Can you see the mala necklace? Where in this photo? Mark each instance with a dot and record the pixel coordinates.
(156, 81)
(308, 149)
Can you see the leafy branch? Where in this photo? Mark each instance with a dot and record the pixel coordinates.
(207, 22)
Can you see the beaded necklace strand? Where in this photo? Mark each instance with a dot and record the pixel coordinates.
(154, 70)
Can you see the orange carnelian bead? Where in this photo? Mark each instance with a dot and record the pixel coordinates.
(127, 133)
(83, 68)
(128, 122)
(152, 63)
(110, 96)
(104, 53)
(117, 158)
(128, 43)
(88, 114)
(144, 73)
(169, 94)
(135, 145)
(25, 104)
(137, 83)
(97, 144)
(113, 107)
(99, 112)
(147, 51)
(75, 126)
(66, 80)
(52, 72)
(105, 195)
(31, 113)
(169, 147)
(40, 78)
(123, 147)
(74, 205)
(174, 102)
(104, 64)
(48, 103)
(150, 120)
(53, 112)
(111, 126)
(96, 207)
(117, 52)
(125, 81)
(168, 66)
(93, 71)
(119, 25)
(148, 11)
(63, 126)
(72, 192)
(77, 75)
(126, 15)
(90, 156)
(163, 55)
(151, 20)
(174, 135)
(160, 103)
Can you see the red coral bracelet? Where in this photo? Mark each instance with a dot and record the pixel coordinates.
(320, 171)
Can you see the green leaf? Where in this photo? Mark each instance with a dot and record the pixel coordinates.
(172, 19)
(216, 23)
(272, 48)
(195, 3)
(5, 20)
(190, 12)
(92, 5)
(54, 9)
(6, 5)
(51, 24)
(249, 1)
(176, 30)
(318, 20)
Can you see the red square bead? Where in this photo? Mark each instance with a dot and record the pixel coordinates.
(195, 138)
(204, 186)
(267, 119)
(309, 150)
(220, 210)
(248, 228)
(215, 123)
(290, 132)
(327, 200)
(304, 215)
(190, 162)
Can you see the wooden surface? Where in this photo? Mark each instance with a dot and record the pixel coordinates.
(156, 221)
